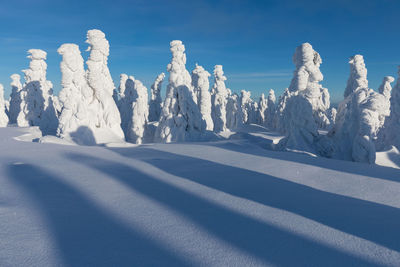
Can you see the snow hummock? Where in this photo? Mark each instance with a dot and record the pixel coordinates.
(155, 105)
(219, 100)
(181, 119)
(201, 86)
(108, 119)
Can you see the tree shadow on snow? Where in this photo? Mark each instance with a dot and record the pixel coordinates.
(261, 240)
(86, 235)
(368, 220)
(263, 148)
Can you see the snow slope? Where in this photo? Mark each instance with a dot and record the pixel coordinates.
(224, 203)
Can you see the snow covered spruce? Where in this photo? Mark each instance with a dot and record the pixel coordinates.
(90, 110)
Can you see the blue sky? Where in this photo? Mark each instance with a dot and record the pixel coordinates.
(254, 40)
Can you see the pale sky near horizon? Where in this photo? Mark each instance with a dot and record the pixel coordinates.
(253, 40)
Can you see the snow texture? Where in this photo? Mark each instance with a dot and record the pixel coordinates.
(358, 75)
(219, 100)
(155, 105)
(181, 119)
(201, 87)
(279, 124)
(3, 115)
(17, 99)
(99, 80)
(234, 119)
(262, 107)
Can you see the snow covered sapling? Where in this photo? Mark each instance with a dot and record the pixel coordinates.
(219, 100)
(156, 100)
(100, 81)
(201, 85)
(16, 98)
(181, 119)
(3, 115)
(262, 107)
(270, 111)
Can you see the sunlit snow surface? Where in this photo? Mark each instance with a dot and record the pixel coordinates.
(225, 203)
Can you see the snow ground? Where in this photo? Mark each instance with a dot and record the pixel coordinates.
(223, 203)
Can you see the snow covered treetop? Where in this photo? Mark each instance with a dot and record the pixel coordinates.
(37, 54)
(178, 55)
(358, 75)
(307, 62)
(97, 41)
(219, 73)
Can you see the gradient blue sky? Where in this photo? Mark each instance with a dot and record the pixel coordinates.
(254, 40)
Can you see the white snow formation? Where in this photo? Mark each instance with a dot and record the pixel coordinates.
(201, 87)
(3, 115)
(219, 99)
(16, 98)
(155, 105)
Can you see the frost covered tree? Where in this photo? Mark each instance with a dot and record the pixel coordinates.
(271, 109)
(234, 118)
(77, 120)
(279, 124)
(38, 108)
(262, 107)
(99, 80)
(201, 86)
(155, 106)
(16, 98)
(134, 110)
(358, 118)
(245, 106)
(3, 115)
(219, 100)
(390, 134)
(306, 108)
(181, 119)
(386, 88)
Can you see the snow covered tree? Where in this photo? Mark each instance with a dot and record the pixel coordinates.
(3, 115)
(306, 109)
(279, 124)
(271, 109)
(99, 79)
(16, 98)
(219, 100)
(234, 118)
(181, 119)
(358, 119)
(358, 75)
(390, 133)
(77, 121)
(134, 110)
(201, 86)
(262, 107)
(245, 106)
(38, 108)
(155, 106)
(386, 88)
